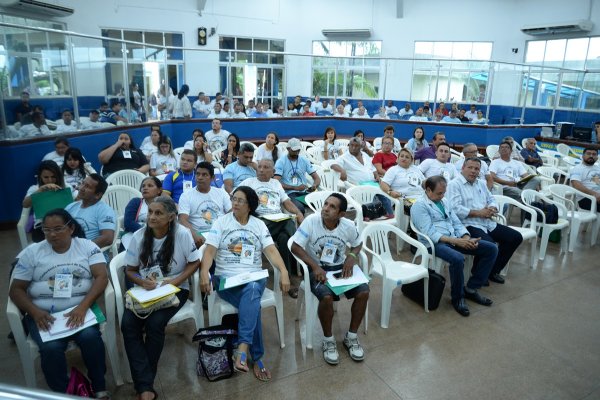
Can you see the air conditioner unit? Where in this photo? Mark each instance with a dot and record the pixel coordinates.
(580, 26)
(36, 7)
(347, 33)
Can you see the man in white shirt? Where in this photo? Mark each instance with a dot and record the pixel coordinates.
(439, 165)
(419, 116)
(406, 111)
(37, 128)
(470, 150)
(347, 106)
(199, 207)
(271, 199)
(218, 99)
(472, 113)
(357, 167)
(326, 106)
(361, 113)
(585, 177)
(382, 114)
(339, 112)
(475, 207)
(250, 108)
(390, 108)
(61, 145)
(511, 174)
(321, 243)
(68, 125)
(93, 122)
(199, 107)
(317, 105)
(218, 112)
(359, 104)
(237, 112)
(388, 131)
(216, 138)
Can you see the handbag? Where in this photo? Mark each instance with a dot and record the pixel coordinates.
(79, 385)
(414, 290)
(142, 312)
(215, 352)
(373, 210)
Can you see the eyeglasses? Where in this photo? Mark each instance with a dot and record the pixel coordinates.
(238, 200)
(59, 229)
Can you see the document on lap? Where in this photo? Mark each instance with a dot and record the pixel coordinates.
(59, 328)
(242, 279)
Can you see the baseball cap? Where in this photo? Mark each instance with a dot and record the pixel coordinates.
(294, 144)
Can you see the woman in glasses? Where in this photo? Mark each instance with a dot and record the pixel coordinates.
(64, 274)
(236, 242)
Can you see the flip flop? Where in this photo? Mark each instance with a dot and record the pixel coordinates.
(262, 370)
(243, 360)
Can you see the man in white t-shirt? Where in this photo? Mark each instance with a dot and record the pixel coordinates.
(218, 112)
(67, 125)
(419, 116)
(439, 165)
(585, 177)
(511, 174)
(359, 104)
(199, 207)
(271, 199)
(361, 112)
(61, 145)
(320, 243)
(216, 138)
(390, 108)
(388, 131)
(406, 111)
(237, 112)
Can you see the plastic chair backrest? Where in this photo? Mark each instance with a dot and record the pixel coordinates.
(550, 172)
(314, 154)
(315, 200)
(127, 177)
(363, 194)
(250, 143)
(491, 150)
(329, 179)
(118, 196)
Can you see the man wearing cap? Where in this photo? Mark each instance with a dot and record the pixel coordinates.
(291, 171)
(93, 122)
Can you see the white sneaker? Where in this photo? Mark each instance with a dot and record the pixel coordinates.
(354, 348)
(330, 353)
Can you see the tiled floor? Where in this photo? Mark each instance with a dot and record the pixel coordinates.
(540, 340)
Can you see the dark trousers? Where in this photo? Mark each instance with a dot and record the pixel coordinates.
(298, 204)
(281, 232)
(143, 351)
(508, 241)
(586, 204)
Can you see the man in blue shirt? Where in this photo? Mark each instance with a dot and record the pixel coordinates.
(291, 171)
(452, 118)
(176, 182)
(242, 169)
(530, 154)
(434, 216)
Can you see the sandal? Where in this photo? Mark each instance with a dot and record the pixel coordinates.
(241, 358)
(261, 373)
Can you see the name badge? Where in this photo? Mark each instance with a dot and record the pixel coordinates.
(328, 254)
(247, 256)
(126, 153)
(187, 185)
(446, 175)
(413, 180)
(153, 273)
(295, 180)
(509, 173)
(63, 285)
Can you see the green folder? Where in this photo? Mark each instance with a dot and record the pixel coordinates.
(301, 199)
(43, 202)
(368, 183)
(98, 312)
(341, 289)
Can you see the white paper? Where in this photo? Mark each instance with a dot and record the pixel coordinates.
(276, 217)
(244, 278)
(59, 328)
(143, 296)
(357, 278)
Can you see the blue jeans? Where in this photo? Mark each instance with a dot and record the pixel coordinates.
(485, 257)
(54, 362)
(386, 203)
(143, 351)
(246, 299)
(507, 239)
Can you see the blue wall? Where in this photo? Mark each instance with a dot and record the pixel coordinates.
(26, 155)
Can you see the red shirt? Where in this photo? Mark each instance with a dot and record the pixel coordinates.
(387, 160)
(309, 114)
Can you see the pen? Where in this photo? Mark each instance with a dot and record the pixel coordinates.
(317, 285)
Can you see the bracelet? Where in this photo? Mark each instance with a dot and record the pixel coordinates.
(353, 255)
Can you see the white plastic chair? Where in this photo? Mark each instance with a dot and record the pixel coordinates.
(529, 232)
(118, 196)
(306, 145)
(568, 195)
(21, 225)
(491, 150)
(250, 143)
(557, 175)
(177, 151)
(529, 196)
(217, 307)
(314, 155)
(127, 177)
(365, 194)
(310, 301)
(191, 309)
(28, 349)
(329, 179)
(315, 200)
(394, 273)
(566, 151)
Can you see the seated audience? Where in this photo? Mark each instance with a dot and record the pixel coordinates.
(320, 243)
(340, 112)
(419, 116)
(585, 177)
(307, 112)
(199, 208)
(510, 174)
(406, 111)
(61, 145)
(216, 137)
(403, 179)
(183, 179)
(250, 234)
(330, 148)
(359, 104)
(435, 216)
(476, 207)
(190, 143)
(530, 154)
(388, 131)
(365, 145)
(470, 150)
(429, 152)
(238, 113)
(258, 112)
(37, 127)
(150, 143)
(67, 125)
(112, 116)
(361, 113)
(463, 118)
(218, 112)
(67, 257)
(390, 108)
(230, 154)
(136, 211)
(472, 113)
(131, 117)
(418, 141)
(452, 118)
(74, 169)
(165, 248)
(93, 122)
(385, 158)
(514, 153)
(268, 150)
(381, 114)
(479, 119)
(123, 155)
(201, 148)
(440, 165)
(164, 161)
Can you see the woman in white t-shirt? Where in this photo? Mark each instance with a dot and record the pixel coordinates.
(75, 169)
(331, 147)
(201, 148)
(162, 252)
(404, 179)
(150, 143)
(64, 274)
(268, 150)
(236, 242)
(136, 211)
(164, 161)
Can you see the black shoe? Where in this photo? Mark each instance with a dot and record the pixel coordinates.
(486, 283)
(461, 307)
(477, 298)
(497, 278)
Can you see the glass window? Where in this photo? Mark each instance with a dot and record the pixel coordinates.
(555, 52)
(174, 40)
(575, 53)
(593, 55)
(535, 52)
(591, 92)
(113, 49)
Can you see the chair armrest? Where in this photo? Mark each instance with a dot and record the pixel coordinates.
(427, 238)
(276, 280)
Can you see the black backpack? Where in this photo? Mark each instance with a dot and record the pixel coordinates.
(550, 210)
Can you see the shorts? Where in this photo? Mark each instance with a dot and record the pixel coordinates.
(321, 290)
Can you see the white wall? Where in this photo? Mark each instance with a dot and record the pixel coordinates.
(301, 22)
